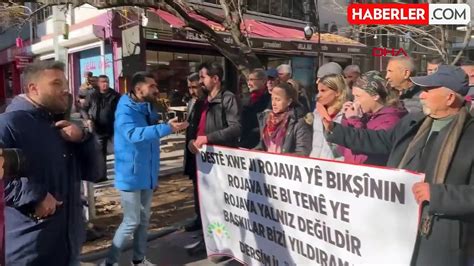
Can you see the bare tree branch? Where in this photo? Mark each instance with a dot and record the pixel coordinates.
(209, 15)
(465, 43)
(243, 57)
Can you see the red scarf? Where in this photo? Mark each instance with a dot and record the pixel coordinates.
(275, 130)
(256, 95)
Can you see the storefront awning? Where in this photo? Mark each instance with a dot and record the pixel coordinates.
(259, 29)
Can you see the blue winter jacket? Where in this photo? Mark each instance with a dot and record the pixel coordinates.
(137, 145)
(52, 165)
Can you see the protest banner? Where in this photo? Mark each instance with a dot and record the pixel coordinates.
(268, 209)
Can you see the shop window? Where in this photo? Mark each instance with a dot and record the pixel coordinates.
(164, 58)
(151, 58)
(178, 56)
(171, 71)
(284, 8)
(208, 58)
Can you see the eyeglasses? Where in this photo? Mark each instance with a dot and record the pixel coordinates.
(194, 87)
(254, 79)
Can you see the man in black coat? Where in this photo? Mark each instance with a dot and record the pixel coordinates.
(254, 103)
(219, 122)
(44, 220)
(194, 112)
(99, 113)
(439, 143)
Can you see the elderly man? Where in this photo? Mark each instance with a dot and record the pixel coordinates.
(351, 74)
(399, 71)
(328, 69)
(284, 72)
(272, 79)
(439, 143)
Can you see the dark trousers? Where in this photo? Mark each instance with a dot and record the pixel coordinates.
(196, 200)
(105, 143)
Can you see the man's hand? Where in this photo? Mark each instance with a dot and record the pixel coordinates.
(421, 191)
(2, 172)
(70, 131)
(192, 147)
(90, 125)
(201, 140)
(47, 207)
(177, 126)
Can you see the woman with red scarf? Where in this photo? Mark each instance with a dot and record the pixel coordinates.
(281, 130)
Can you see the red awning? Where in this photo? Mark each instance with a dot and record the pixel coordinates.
(255, 28)
(178, 23)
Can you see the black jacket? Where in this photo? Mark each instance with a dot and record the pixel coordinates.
(52, 165)
(223, 125)
(452, 203)
(194, 114)
(250, 128)
(100, 108)
(411, 99)
(299, 135)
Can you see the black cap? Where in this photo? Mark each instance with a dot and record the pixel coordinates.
(451, 77)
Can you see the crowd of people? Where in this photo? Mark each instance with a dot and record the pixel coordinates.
(418, 123)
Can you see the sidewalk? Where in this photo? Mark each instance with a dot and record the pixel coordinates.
(168, 250)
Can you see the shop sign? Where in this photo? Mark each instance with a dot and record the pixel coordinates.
(22, 61)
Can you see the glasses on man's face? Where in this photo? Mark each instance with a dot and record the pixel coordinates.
(254, 79)
(193, 87)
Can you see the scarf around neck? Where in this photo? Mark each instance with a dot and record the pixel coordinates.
(443, 159)
(275, 130)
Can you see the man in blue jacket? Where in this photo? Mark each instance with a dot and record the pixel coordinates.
(137, 153)
(43, 212)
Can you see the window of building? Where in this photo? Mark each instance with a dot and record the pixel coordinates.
(282, 8)
(44, 13)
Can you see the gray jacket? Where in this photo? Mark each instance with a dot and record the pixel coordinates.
(452, 203)
(298, 137)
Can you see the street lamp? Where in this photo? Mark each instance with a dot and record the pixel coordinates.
(309, 31)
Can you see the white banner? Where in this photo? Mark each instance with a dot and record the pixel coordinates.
(266, 209)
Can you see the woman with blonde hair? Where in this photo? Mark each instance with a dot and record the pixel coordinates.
(282, 130)
(332, 90)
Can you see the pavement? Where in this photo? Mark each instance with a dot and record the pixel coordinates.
(164, 251)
